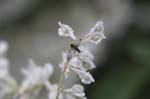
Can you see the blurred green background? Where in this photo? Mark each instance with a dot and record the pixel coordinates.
(123, 59)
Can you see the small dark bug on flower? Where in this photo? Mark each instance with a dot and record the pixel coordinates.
(75, 47)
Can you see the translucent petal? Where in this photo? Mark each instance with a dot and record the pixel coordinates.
(53, 92)
(85, 77)
(96, 34)
(75, 62)
(89, 65)
(98, 27)
(76, 90)
(87, 58)
(97, 37)
(85, 55)
(66, 31)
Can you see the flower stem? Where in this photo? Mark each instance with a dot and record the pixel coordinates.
(59, 90)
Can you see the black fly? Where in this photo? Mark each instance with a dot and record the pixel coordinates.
(75, 47)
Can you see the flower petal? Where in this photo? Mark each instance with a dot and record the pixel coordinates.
(87, 58)
(66, 31)
(98, 27)
(97, 37)
(53, 92)
(76, 62)
(85, 77)
(96, 34)
(75, 92)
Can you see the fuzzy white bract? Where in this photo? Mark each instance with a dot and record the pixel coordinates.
(77, 59)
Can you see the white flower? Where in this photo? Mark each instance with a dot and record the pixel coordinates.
(87, 58)
(79, 59)
(66, 31)
(96, 34)
(35, 76)
(75, 92)
(85, 55)
(53, 92)
(3, 47)
(8, 84)
(75, 64)
(68, 61)
(85, 77)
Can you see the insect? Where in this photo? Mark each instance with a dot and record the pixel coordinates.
(75, 47)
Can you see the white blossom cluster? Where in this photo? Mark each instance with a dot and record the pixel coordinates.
(77, 59)
(7, 83)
